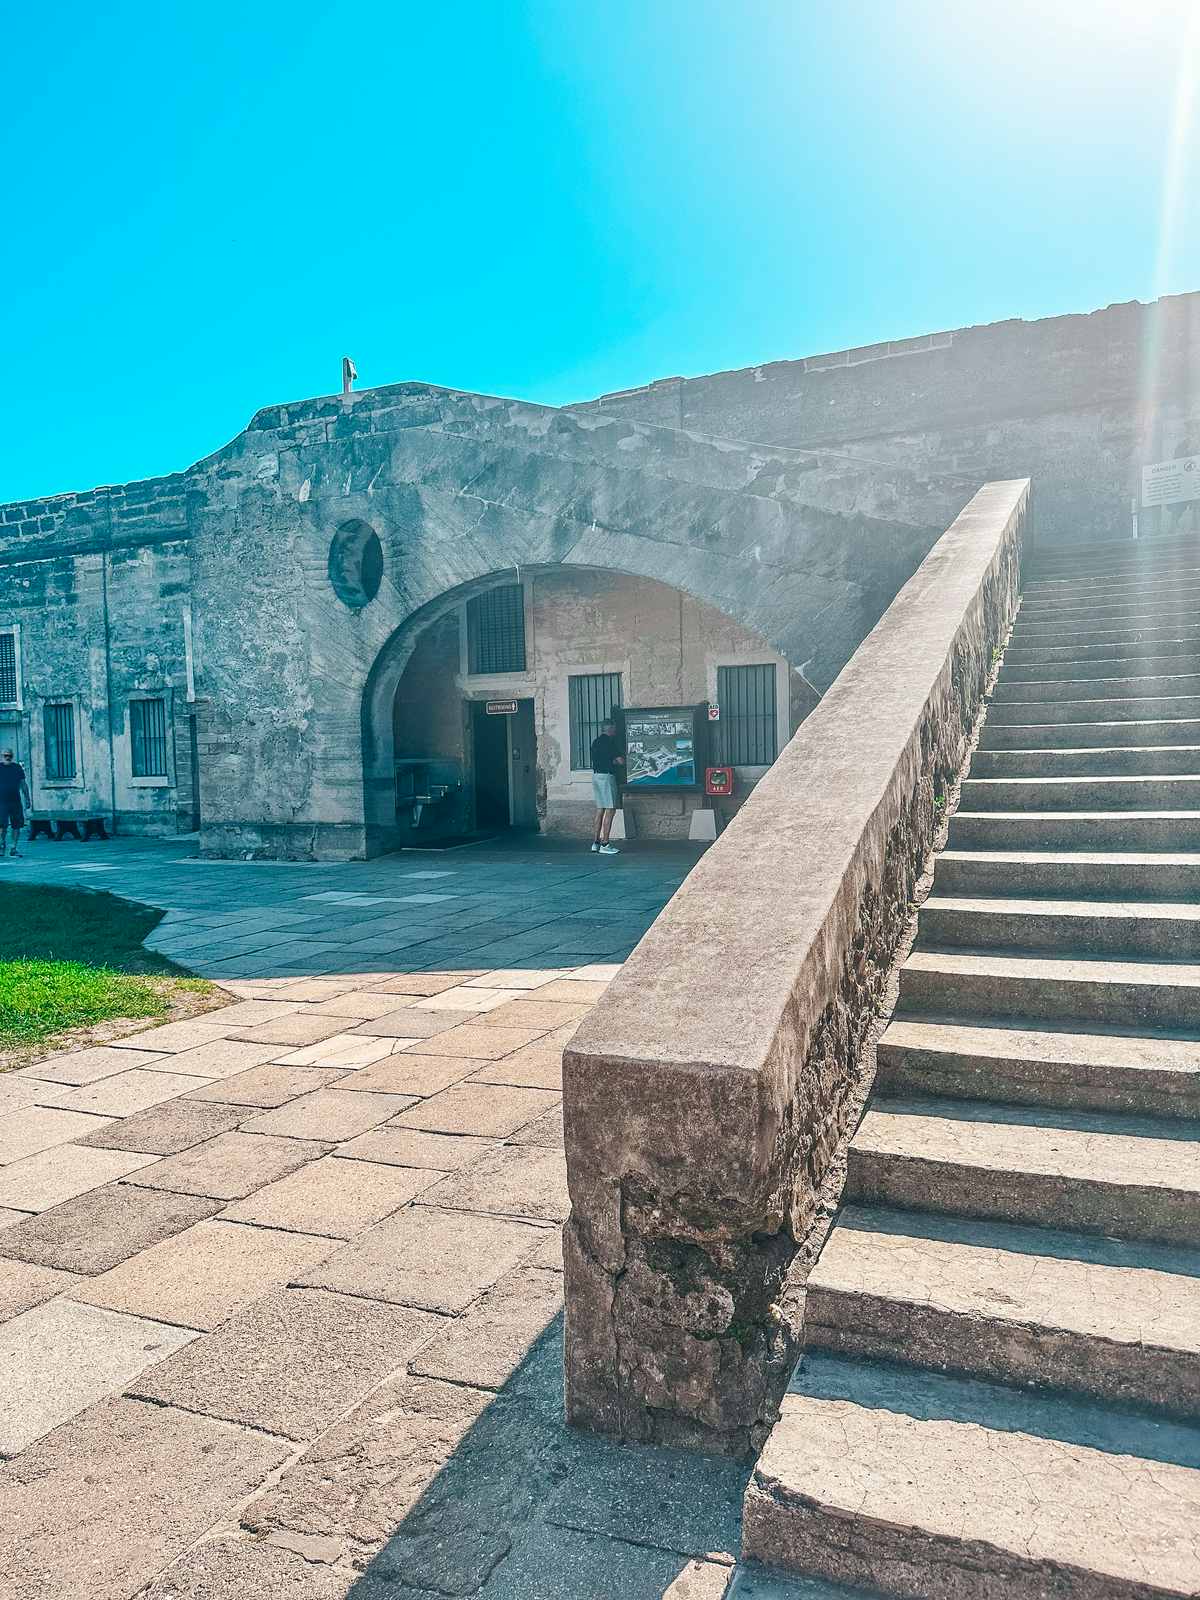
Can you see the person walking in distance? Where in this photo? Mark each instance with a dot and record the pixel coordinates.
(14, 788)
(606, 761)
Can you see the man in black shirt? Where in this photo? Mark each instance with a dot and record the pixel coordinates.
(606, 759)
(14, 787)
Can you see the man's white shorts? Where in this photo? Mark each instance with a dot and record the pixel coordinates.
(604, 791)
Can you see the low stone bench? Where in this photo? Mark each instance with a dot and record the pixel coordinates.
(59, 828)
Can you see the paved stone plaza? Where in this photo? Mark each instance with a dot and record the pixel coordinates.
(280, 1286)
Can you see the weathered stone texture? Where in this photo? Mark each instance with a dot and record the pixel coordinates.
(737, 1027)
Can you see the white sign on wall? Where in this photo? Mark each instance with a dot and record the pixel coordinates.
(1169, 483)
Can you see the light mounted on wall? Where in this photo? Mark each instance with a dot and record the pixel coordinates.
(349, 374)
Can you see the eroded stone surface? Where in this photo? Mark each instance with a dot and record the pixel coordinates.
(94, 1231)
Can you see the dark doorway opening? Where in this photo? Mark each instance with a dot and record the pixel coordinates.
(504, 748)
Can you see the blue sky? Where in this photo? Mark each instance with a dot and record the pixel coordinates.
(206, 206)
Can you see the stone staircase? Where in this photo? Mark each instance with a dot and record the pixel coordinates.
(1000, 1394)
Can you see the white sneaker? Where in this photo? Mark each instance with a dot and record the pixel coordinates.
(609, 850)
(595, 844)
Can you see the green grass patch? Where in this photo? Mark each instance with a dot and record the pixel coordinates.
(72, 959)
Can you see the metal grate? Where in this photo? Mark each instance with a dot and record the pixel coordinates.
(9, 695)
(148, 738)
(591, 697)
(496, 630)
(58, 718)
(749, 731)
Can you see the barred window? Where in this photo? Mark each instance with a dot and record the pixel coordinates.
(58, 718)
(496, 630)
(148, 737)
(591, 698)
(749, 730)
(10, 694)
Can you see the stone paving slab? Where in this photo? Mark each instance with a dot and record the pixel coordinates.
(62, 1357)
(18, 1091)
(122, 1094)
(514, 1181)
(516, 978)
(489, 1110)
(220, 1058)
(95, 1510)
(554, 1564)
(199, 1277)
(9, 1219)
(479, 1041)
(488, 1345)
(230, 1166)
(469, 998)
(89, 1066)
(537, 1066)
(546, 1131)
(291, 1363)
(423, 983)
(251, 1569)
(575, 991)
(329, 1114)
(410, 1023)
(264, 1088)
(405, 1072)
(39, 1182)
(540, 1014)
(33, 1128)
(23, 1286)
(358, 1004)
(332, 1198)
(342, 1052)
(174, 1036)
(251, 1013)
(438, 1260)
(95, 1231)
(167, 1129)
(403, 1147)
(296, 1030)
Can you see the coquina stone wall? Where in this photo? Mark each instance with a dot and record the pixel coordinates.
(705, 1095)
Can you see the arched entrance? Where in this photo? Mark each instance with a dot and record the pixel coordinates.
(480, 710)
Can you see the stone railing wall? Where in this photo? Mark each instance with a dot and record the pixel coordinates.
(706, 1094)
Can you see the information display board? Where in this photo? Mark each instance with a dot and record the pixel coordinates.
(1171, 483)
(664, 746)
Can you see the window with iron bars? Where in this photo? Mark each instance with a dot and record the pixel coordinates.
(58, 723)
(496, 630)
(591, 698)
(749, 730)
(148, 738)
(10, 689)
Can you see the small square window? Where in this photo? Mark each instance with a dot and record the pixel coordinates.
(148, 738)
(58, 722)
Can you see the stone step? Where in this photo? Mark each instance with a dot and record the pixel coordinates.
(1115, 1321)
(1115, 688)
(1084, 1171)
(1180, 792)
(1070, 874)
(1069, 735)
(1183, 642)
(1156, 831)
(1103, 761)
(1033, 989)
(1076, 668)
(1143, 931)
(1081, 562)
(1038, 635)
(1177, 600)
(1139, 708)
(942, 1488)
(1112, 1071)
(1047, 591)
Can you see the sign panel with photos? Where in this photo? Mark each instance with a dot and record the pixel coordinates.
(661, 747)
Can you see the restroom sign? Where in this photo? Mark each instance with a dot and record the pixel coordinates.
(501, 708)
(1170, 483)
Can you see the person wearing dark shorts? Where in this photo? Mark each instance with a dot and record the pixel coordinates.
(606, 759)
(14, 789)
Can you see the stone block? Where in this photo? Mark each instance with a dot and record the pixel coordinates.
(167, 1129)
(291, 1363)
(124, 1093)
(95, 1231)
(408, 1073)
(88, 1066)
(409, 1147)
(438, 1260)
(231, 1166)
(23, 1286)
(333, 1198)
(265, 1087)
(483, 1043)
(221, 1058)
(199, 1277)
(39, 1182)
(33, 1128)
(141, 1483)
(514, 1181)
(487, 1347)
(488, 1110)
(331, 1115)
(62, 1357)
